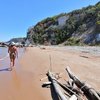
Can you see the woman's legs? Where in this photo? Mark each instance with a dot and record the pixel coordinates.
(12, 61)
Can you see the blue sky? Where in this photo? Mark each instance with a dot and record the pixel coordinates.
(16, 16)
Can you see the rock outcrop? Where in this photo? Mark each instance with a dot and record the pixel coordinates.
(75, 28)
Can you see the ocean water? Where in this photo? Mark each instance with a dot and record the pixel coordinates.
(4, 60)
(3, 51)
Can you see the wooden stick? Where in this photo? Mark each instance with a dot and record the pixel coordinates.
(56, 86)
(88, 91)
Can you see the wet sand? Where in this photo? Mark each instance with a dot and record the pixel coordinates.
(23, 82)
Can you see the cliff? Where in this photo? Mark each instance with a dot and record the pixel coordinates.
(78, 27)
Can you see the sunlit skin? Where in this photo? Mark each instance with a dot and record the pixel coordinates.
(12, 50)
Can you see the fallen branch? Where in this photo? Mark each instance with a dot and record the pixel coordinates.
(90, 93)
(56, 86)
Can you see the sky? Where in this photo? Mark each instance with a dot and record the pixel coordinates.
(16, 16)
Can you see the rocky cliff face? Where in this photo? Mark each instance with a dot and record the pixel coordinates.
(77, 27)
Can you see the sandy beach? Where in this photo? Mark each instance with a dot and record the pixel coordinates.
(24, 81)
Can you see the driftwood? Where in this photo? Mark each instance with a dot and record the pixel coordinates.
(70, 91)
(88, 91)
(56, 86)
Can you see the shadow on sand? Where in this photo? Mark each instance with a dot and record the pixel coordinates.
(5, 69)
(53, 93)
(52, 90)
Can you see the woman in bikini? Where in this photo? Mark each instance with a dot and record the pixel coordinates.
(12, 50)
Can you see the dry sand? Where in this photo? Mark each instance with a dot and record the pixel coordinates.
(23, 82)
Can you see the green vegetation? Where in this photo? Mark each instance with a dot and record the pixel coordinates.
(79, 22)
